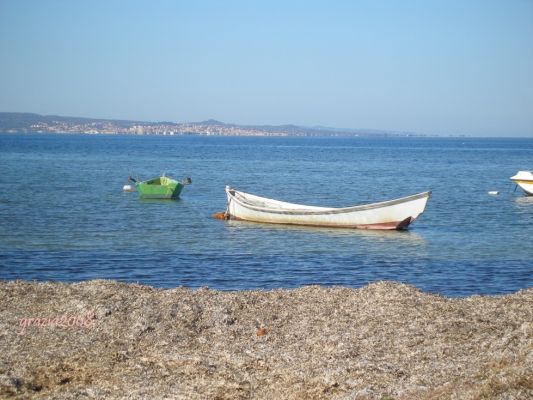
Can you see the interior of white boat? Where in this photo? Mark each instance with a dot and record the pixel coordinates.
(264, 202)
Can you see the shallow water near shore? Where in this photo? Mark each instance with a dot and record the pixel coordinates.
(63, 215)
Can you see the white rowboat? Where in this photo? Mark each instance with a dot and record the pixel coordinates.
(392, 214)
(524, 179)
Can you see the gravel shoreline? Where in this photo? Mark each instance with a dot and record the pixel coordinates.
(104, 339)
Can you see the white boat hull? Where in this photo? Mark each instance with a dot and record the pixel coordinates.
(392, 214)
(524, 179)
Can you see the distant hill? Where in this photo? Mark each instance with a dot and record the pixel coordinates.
(18, 120)
(29, 122)
(211, 122)
(13, 120)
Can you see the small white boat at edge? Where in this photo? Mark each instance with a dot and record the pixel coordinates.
(524, 179)
(392, 214)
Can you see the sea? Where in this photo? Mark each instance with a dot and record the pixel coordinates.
(65, 217)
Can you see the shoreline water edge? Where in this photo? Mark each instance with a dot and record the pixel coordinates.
(386, 340)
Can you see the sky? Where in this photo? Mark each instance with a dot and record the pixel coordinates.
(432, 67)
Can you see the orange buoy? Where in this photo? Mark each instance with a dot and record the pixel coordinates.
(219, 215)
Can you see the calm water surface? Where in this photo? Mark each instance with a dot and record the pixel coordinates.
(63, 215)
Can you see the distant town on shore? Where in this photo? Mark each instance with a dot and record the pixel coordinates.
(11, 122)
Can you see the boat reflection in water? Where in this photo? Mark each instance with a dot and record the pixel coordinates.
(403, 236)
(525, 201)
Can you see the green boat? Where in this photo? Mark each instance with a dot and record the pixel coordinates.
(161, 187)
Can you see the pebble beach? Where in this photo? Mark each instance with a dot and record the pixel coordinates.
(105, 339)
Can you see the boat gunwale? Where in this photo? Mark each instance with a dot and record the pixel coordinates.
(158, 181)
(521, 180)
(325, 211)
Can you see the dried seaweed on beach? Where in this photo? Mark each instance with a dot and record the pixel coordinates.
(103, 339)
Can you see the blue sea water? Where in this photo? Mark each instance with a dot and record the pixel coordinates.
(64, 216)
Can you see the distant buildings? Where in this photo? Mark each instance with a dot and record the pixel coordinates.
(27, 122)
(110, 128)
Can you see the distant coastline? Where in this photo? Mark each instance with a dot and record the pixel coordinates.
(11, 122)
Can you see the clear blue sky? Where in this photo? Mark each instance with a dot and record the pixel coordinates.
(436, 67)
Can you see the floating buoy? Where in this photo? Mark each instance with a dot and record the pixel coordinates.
(494, 193)
(219, 215)
(128, 188)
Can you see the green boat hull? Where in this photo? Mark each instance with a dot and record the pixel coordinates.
(159, 188)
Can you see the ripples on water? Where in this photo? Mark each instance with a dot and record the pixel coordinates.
(64, 216)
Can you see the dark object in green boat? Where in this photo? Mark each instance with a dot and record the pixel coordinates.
(161, 187)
